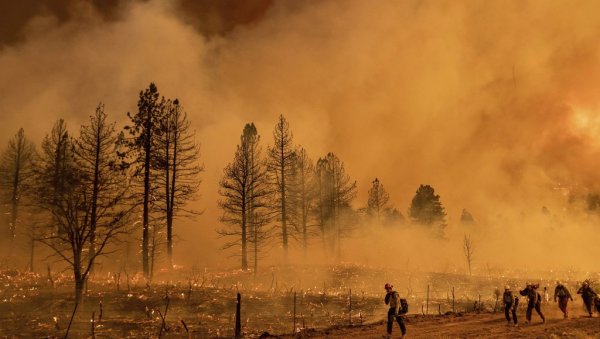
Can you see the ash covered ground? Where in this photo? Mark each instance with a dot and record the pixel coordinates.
(202, 303)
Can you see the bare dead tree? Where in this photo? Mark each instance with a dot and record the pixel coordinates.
(16, 172)
(97, 159)
(244, 191)
(70, 208)
(468, 251)
(280, 163)
(176, 162)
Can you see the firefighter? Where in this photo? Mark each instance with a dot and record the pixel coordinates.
(563, 295)
(588, 295)
(534, 301)
(392, 298)
(510, 305)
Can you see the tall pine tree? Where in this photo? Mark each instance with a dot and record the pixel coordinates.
(177, 168)
(280, 166)
(244, 191)
(145, 127)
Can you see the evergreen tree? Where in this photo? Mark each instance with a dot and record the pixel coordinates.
(145, 126)
(280, 165)
(377, 201)
(244, 190)
(426, 209)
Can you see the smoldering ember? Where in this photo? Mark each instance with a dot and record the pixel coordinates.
(299, 169)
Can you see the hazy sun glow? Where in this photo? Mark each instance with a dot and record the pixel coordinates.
(586, 123)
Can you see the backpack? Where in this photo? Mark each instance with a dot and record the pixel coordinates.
(508, 298)
(561, 292)
(403, 306)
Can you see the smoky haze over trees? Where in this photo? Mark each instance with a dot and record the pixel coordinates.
(336, 192)
(327, 90)
(499, 126)
(84, 193)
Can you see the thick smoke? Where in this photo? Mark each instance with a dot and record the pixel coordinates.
(493, 103)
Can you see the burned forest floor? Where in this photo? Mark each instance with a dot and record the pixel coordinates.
(472, 325)
(298, 301)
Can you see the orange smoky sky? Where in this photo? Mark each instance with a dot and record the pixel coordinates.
(493, 103)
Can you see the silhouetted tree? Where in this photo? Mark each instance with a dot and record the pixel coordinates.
(466, 218)
(146, 126)
(336, 192)
(244, 190)
(391, 216)
(426, 209)
(54, 168)
(86, 168)
(468, 251)
(377, 201)
(280, 165)
(303, 194)
(95, 152)
(16, 172)
(176, 162)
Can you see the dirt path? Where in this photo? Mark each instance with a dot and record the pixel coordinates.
(475, 326)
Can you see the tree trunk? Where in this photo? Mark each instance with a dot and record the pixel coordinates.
(31, 253)
(170, 239)
(303, 208)
(147, 150)
(244, 236)
(79, 285)
(95, 189)
(171, 201)
(255, 227)
(78, 277)
(283, 207)
(168, 202)
(13, 224)
(15, 198)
